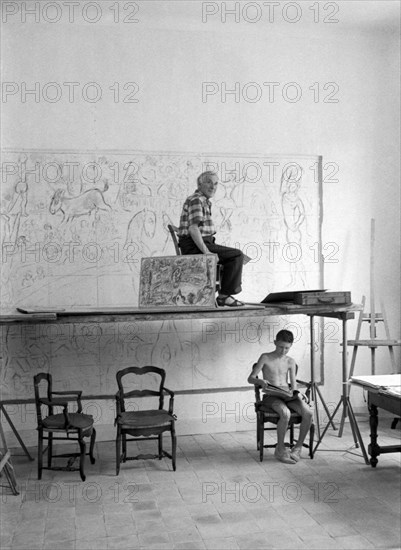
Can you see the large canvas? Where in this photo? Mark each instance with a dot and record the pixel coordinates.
(178, 281)
(75, 226)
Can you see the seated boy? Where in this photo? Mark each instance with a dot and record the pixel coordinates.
(275, 367)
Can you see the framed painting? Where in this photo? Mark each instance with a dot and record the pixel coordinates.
(178, 281)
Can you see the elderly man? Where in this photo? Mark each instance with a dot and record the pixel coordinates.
(196, 236)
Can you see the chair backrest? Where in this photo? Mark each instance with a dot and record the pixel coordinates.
(139, 371)
(47, 387)
(174, 236)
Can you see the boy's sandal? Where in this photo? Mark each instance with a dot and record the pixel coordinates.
(223, 302)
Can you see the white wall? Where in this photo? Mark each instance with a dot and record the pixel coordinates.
(170, 52)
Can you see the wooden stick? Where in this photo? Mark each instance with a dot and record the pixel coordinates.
(372, 280)
(390, 347)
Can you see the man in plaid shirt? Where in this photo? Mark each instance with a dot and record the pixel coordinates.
(196, 236)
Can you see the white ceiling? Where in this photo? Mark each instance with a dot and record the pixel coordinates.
(355, 14)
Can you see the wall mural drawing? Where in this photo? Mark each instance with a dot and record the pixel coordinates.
(75, 226)
(87, 202)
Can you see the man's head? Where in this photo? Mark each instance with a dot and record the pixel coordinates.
(283, 342)
(207, 183)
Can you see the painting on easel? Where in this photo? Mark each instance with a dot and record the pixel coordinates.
(178, 281)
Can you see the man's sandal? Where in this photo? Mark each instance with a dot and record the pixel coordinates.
(223, 302)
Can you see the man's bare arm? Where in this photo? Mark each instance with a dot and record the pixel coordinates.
(196, 236)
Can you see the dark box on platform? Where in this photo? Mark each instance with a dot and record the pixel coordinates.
(322, 297)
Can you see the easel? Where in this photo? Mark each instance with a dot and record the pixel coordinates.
(372, 318)
(5, 463)
(373, 343)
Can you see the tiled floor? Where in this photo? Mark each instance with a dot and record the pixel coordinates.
(220, 497)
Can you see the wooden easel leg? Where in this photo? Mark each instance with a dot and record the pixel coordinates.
(357, 336)
(5, 464)
(356, 433)
(9, 471)
(14, 429)
(373, 360)
(345, 377)
(386, 328)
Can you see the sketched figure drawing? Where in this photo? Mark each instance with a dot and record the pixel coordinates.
(294, 216)
(141, 241)
(132, 189)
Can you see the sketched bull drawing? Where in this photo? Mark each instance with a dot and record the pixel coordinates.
(73, 207)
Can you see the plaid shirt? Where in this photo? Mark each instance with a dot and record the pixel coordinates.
(197, 210)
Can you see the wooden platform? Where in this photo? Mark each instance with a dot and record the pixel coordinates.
(128, 313)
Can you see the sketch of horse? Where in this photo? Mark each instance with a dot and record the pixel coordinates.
(85, 203)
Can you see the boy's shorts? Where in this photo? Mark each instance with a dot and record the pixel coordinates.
(285, 399)
(271, 400)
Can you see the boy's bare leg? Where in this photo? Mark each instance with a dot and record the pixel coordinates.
(305, 411)
(282, 426)
(281, 453)
(304, 430)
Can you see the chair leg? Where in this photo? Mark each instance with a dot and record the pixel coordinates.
(261, 439)
(311, 439)
(118, 451)
(40, 454)
(92, 446)
(49, 450)
(291, 434)
(124, 445)
(160, 444)
(257, 432)
(173, 446)
(82, 448)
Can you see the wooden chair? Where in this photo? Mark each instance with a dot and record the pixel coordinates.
(173, 230)
(64, 426)
(266, 415)
(149, 424)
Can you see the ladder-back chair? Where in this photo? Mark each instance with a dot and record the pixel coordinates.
(148, 424)
(61, 426)
(266, 415)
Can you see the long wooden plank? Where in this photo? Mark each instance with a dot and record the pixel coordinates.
(27, 318)
(374, 343)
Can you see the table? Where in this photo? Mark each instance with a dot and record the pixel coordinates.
(384, 392)
(389, 403)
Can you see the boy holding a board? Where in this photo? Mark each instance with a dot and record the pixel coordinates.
(277, 369)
